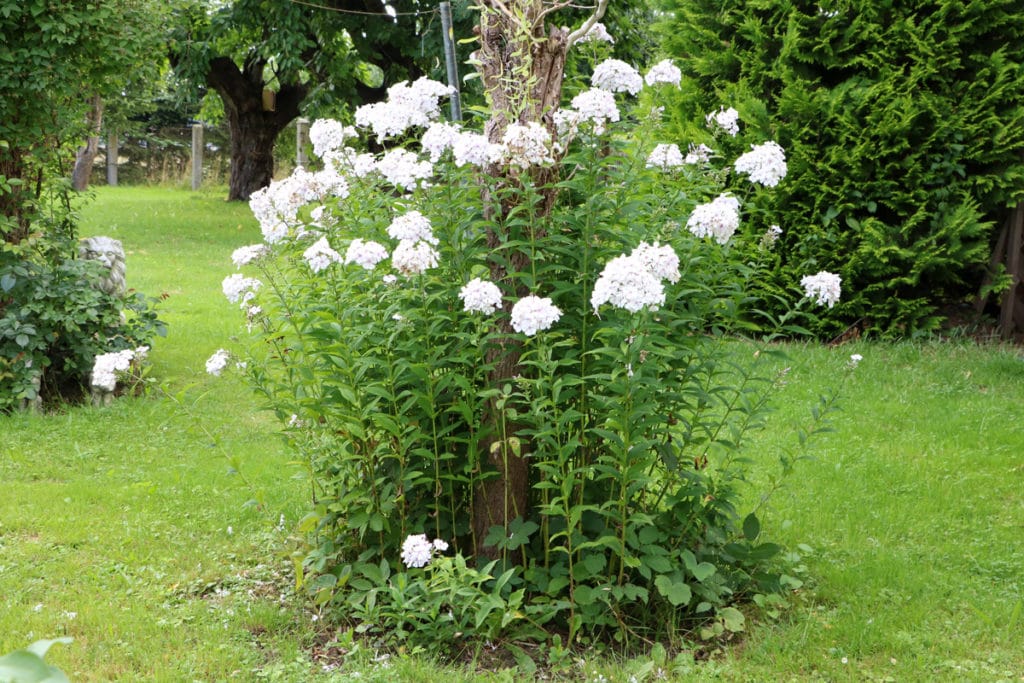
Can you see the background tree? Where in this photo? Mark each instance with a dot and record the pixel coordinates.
(903, 125)
(308, 54)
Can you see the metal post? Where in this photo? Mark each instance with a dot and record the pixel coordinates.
(112, 160)
(449, 59)
(301, 138)
(197, 155)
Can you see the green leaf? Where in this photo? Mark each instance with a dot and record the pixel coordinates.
(7, 282)
(676, 592)
(703, 571)
(751, 527)
(732, 618)
(27, 666)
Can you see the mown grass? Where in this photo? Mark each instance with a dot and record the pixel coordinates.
(126, 529)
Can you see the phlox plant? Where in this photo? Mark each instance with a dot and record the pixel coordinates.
(419, 315)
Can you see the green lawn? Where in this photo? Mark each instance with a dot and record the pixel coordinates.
(126, 528)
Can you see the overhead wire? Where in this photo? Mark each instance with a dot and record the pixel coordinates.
(417, 13)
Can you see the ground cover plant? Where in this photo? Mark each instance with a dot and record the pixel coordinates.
(114, 522)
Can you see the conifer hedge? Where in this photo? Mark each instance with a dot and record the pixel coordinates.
(903, 124)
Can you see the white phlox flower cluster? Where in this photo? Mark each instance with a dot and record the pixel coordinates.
(597, 106)
(474, 149)
(417, 550)
(412, 226)
(328, 182)
(328, 135)
(407, 106)
(765, 164)
(276, 206)
(216, 363)
(664, 72)
(634, 281)
(823, 287)
(531, 314)
(350, 163)
(403, 168)
(719, 218)
(771, 236)
(615, 75)
(321, 217)
(240, 289)
(480, 296)
(725, 119)
(243, 256)
(320, 255)
(567, 123)
(855, 359)
(526, 146)
(698, 154)
(598, 33)
(414, 257)
(365, 253)
(107, 366)
(665, 157)
(438, 138)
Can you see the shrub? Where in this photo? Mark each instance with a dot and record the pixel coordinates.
(549, 375)
(903, 124)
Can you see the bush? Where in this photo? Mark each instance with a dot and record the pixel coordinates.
(550, 376)
(903, 124)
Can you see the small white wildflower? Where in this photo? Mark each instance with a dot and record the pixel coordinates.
(439, 545)
(365, 253)
(627, 283)
(665, 157)
(414, 258)
(480, 296)
(597, 106)
(719, 218)
(108, 366)
(765, 164)
(403, 168)
(823, 287)
(664, 72)
(531, 314)
(320, 255)
(526, 146)
(246, 255)
(416, 551)
(321, 217)
(855, 359)
(597, 33)
(698, 154)
(473, 149)
(661, 261)
(328, 135)
(240, 289)
(725, 119)
(230, 530)
(216, 363)
(615, 75)
(440, 136)
(412, 226)
(389, 279)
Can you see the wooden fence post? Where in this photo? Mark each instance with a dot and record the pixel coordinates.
(301, 138)
(112, 153)
(197, 155)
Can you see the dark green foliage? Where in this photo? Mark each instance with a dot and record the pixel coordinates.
(903, 125)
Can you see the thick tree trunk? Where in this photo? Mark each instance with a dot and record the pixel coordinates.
(254, 129)
(86, 155)
(513, 40)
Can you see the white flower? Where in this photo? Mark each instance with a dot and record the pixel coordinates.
(698, 154)
(771, 236)
(473, 149)
(439, 545)
(626, 282)
(412, 226)
(664, 72)
(766, 164)
(407, 106)
(367, 254)
(416, 551)
(216, 363)
(414, 258)
(665, 157)
(855, 359)
(107, 366)
(719, 218)
(597, 33)
(526, 146)
(661, 261)
(567, 123)
(614, 75)
(321, 217)
(532, 314)
(274, 231)
(597, 106)
(320, 255)
(823, 287)
(401, 167)
(439, 137)
(246, 255)
(725, 119)
(328, 135)
(238, 288)
(480, 296)
(389, 279)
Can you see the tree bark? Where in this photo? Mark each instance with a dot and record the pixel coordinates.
(253, 129)
(86, 155)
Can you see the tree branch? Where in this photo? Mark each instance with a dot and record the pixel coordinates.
(576, 35)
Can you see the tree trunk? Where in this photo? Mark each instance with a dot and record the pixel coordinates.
(86, 155)
(253, 129)
(513, 40)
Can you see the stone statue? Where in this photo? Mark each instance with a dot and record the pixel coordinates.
(110, 253)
